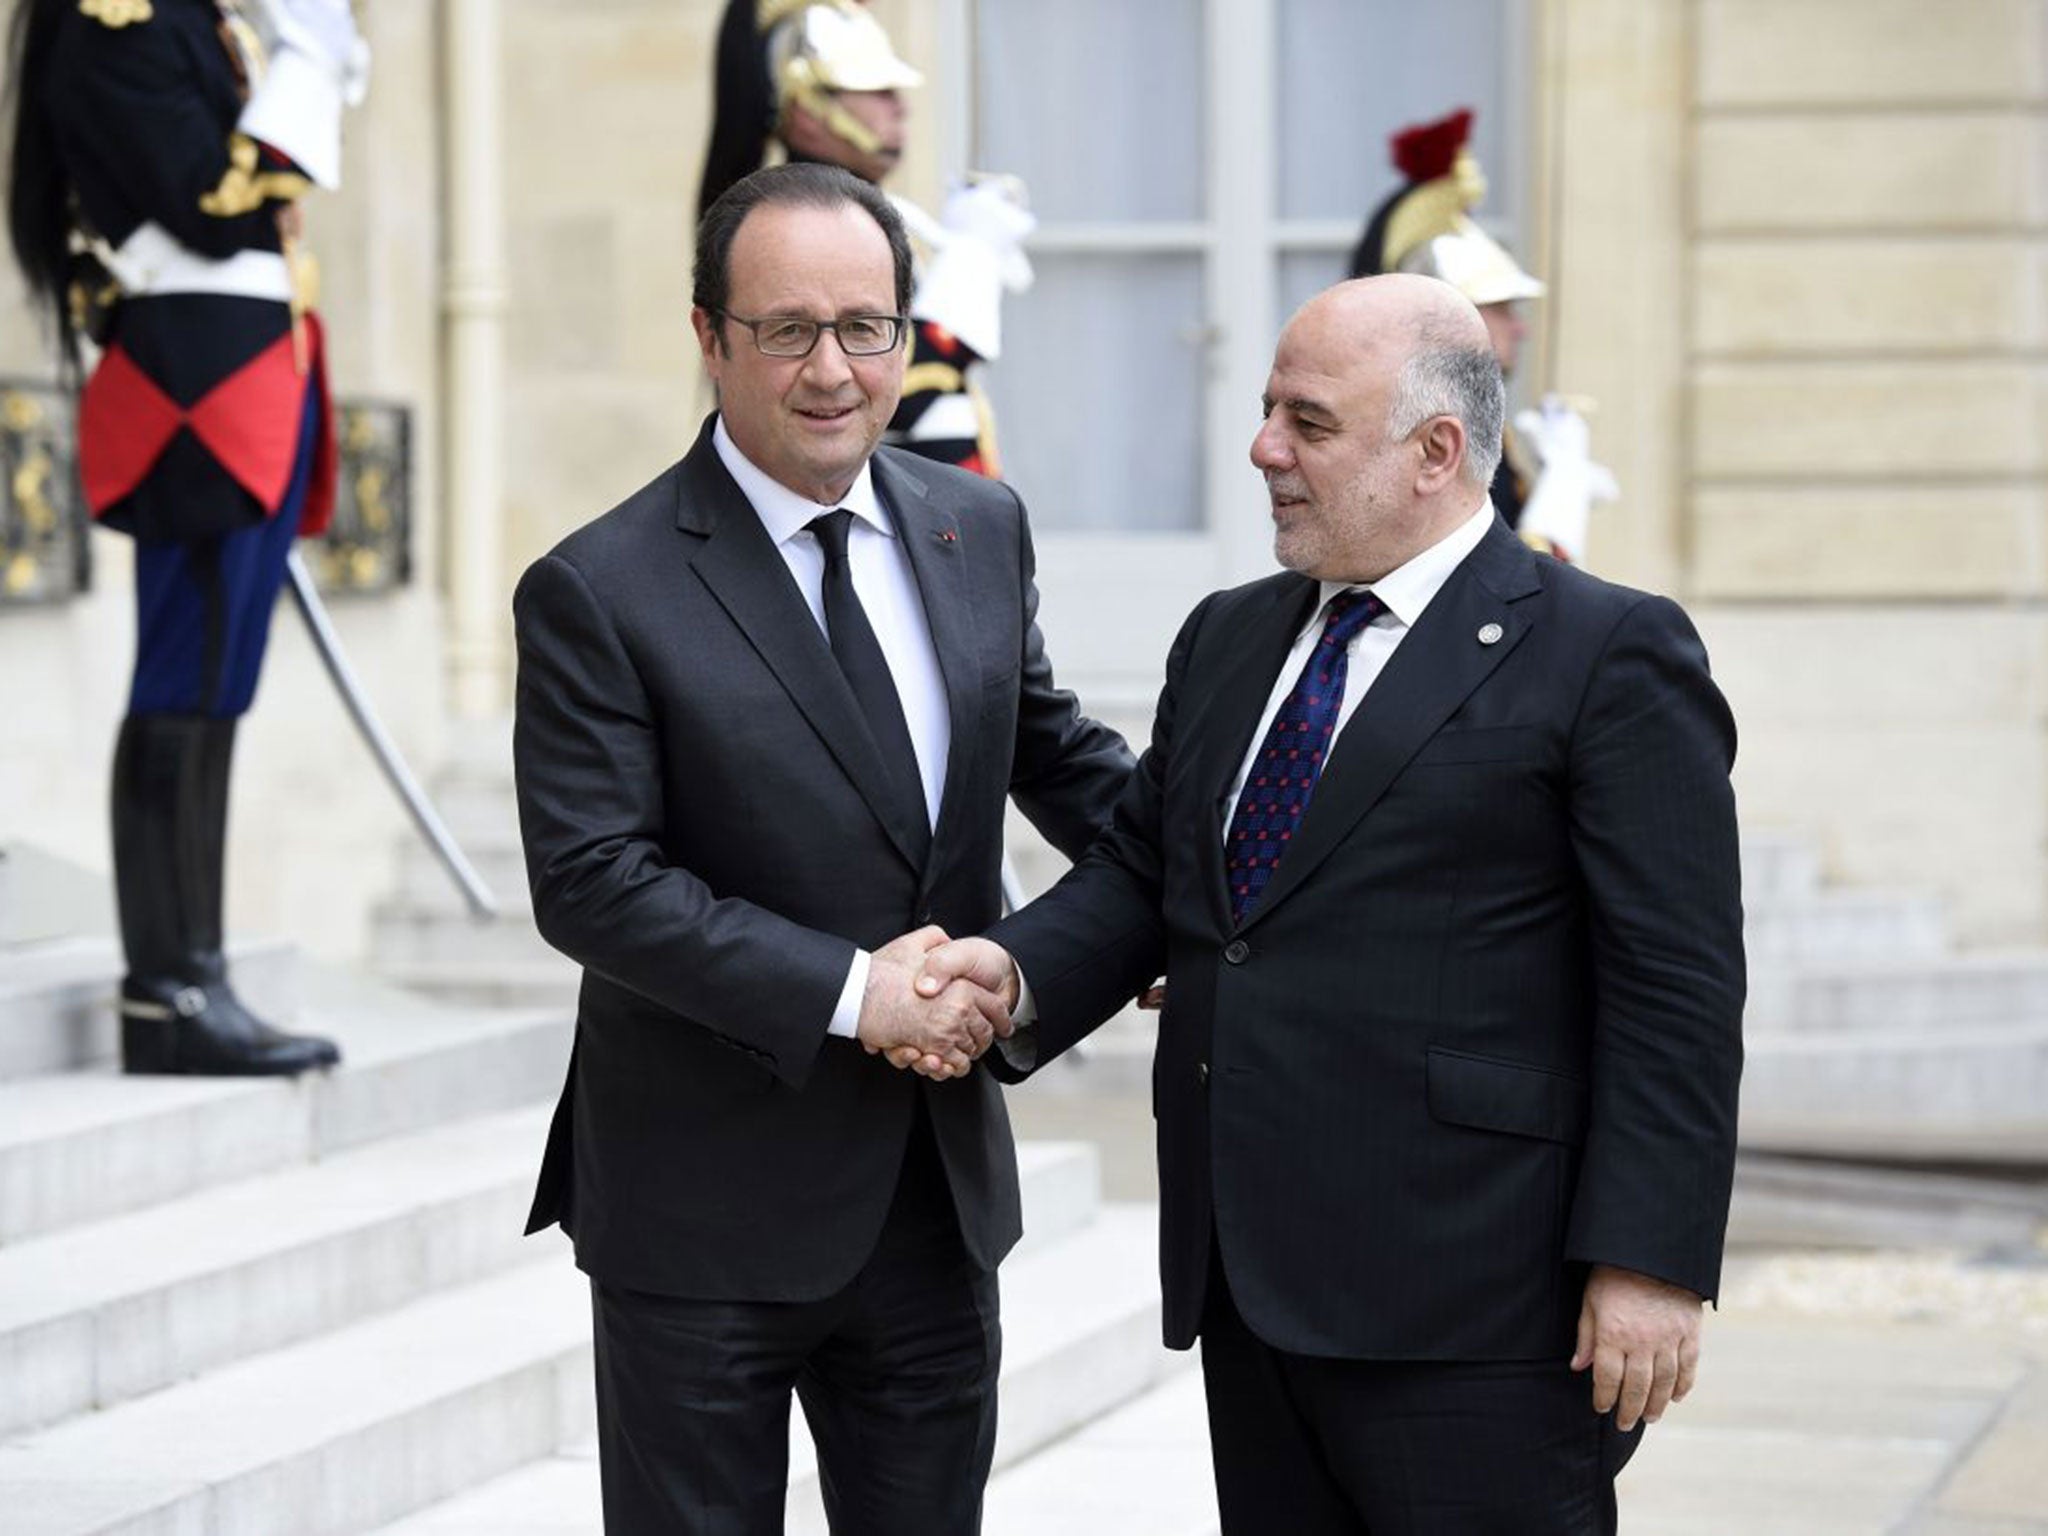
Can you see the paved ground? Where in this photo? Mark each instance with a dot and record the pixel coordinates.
(1893, 1394)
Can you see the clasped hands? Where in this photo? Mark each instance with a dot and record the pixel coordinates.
(934, 1004)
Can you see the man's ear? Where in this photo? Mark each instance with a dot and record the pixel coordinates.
(1443, 454)
(708, 340)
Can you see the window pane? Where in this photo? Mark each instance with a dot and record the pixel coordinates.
(1097, 106)
(1098, 393)
(1303, 275)
(1354, 71)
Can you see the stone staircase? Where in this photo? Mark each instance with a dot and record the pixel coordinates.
(1868, 1034)
(305, 1308)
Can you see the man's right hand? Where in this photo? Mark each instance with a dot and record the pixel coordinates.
(939, 1029)
(948, 967)
(982, 963)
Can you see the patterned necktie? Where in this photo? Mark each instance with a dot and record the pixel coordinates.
(860, 658)
(1284, 771)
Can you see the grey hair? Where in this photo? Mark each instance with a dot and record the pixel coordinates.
(1447, 376)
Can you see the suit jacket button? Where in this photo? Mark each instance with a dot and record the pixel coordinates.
(1202, 1073)
(1237, 951)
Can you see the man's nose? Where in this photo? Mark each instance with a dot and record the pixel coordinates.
(1269, 447)
(828, 362)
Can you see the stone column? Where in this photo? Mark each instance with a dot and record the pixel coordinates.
(473, 303)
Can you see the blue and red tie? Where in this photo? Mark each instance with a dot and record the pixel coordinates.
(1290, 760)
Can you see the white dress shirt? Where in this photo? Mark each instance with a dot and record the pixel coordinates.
(887, 590)
(1405, 591)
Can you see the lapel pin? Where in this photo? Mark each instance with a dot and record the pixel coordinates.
(1489, 634)
(947, 536)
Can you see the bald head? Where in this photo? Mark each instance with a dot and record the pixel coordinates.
(1435, 344)
(1383, 425)
(1400, 305)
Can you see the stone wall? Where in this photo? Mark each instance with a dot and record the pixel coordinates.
(1802, 269)
(608, 107)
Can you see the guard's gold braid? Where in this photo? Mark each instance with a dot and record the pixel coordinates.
(932, 378)
(244, 189)
(116, 14)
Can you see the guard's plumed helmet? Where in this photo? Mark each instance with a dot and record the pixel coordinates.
(777, 54)
(1426, 227)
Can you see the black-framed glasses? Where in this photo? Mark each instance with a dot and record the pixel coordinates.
(794, 335)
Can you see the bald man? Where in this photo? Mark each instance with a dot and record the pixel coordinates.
(1436, 848)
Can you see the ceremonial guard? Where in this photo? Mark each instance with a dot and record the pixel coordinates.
(160, 150)
(821, 79)
(1546, 483)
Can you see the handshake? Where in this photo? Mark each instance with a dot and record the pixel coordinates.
(934, 1004)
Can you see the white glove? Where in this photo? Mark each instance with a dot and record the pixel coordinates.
(1568, 482)
(324, 31)
(977, 253)
(994, 211)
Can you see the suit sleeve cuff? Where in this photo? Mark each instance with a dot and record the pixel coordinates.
(846, 1015)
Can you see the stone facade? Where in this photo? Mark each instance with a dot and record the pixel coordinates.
(1796, 254)
(1862, 446)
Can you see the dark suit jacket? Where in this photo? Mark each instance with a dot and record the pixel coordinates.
(703, 817)
(1484, 1026)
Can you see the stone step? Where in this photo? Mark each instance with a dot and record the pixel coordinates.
(57, 998)
(1080, 1335)
(45, 897)
(1973, 1093)
(1800, 1202)
(95, 1316)
(82, 1146)
(424, 885)
(334, 1435)
(1945, 991)
(1140, 1471)
(545, 981)
(1843, 925)
(1778, 866)
(447, 936)
(103, 1313)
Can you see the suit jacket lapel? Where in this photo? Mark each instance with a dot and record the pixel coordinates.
(1218, 724)
(746, 574)
(1431, 673)
(931, 539)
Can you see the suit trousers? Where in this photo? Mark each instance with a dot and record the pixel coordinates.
(896, 1373)
(1319, 1447)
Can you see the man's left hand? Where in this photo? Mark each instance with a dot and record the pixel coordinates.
(1642, 1339)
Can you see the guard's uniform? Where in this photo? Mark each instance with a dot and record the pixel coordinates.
(158, 148)
(204, 430)
(1546, 482)
(775, 56)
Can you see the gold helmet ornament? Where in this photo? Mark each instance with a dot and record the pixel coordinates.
(778, 55)
(1427, 228)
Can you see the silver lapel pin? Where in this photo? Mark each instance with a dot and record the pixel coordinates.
(1489, 634)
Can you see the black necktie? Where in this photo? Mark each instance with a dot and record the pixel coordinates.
(860, 657)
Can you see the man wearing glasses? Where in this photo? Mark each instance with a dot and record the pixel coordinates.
(769, 709)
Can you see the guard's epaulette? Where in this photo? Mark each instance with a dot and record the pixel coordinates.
(116, 14)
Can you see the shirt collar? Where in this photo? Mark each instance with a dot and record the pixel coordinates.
(784, 513)
(1407, 589)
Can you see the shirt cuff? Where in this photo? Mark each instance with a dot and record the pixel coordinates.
(1026, 1011)
(846, 1016)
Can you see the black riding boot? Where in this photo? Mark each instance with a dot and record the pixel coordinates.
(178, 1013)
